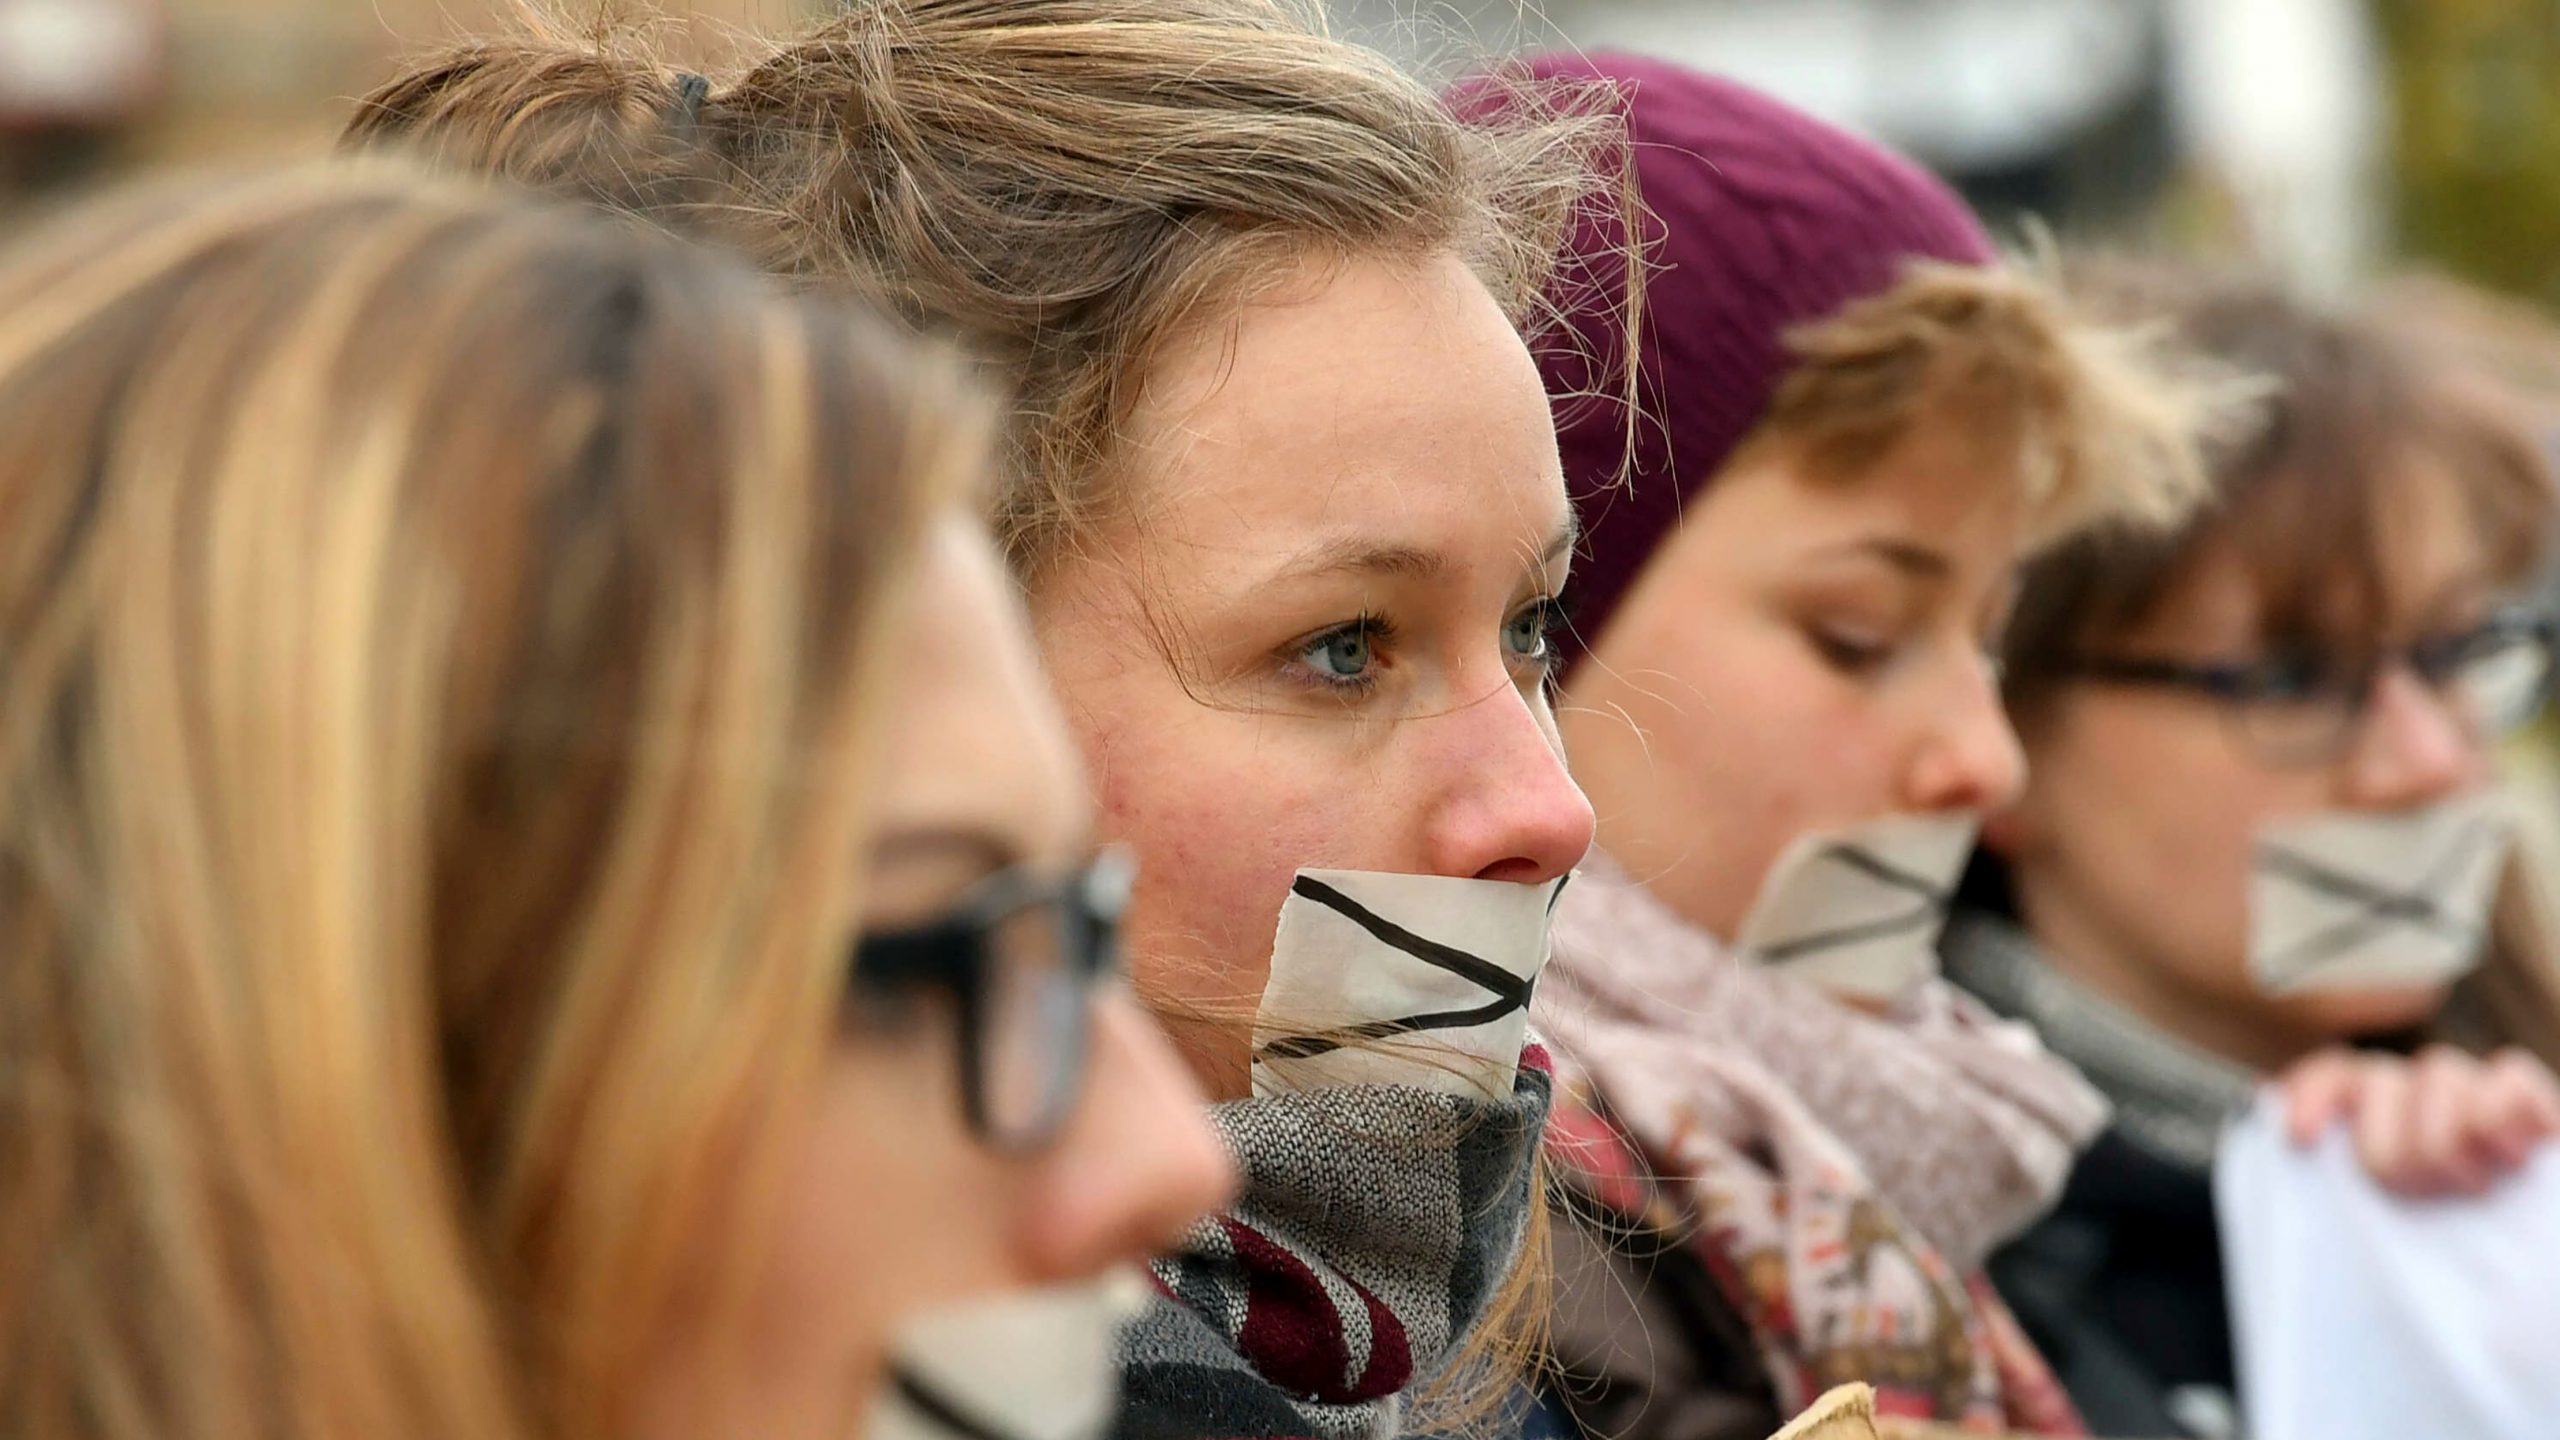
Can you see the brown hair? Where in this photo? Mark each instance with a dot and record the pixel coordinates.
(1067, 185)
(2096, 421)
(2299, 493)
(415, 747)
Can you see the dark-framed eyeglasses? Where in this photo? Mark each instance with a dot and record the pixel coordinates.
(2306, 708)
(1020, 956)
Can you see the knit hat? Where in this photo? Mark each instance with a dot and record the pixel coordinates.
(1761, 218)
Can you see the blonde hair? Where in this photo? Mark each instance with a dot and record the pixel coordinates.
(2099, 422)
(431, 784)
(1070, 186)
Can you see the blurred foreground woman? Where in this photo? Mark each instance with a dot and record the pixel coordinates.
(542, 895)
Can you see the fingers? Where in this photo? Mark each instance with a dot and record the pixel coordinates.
(2441, 1123)
(2443, 1152)
(2318, 1093)
(2518, 1108)
(2378, 1114)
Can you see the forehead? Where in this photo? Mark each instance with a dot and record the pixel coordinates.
(1942, 474)
(1936, 489)
(1389, 402)
(973, 738)
(2416, 551)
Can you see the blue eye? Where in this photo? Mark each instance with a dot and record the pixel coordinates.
(1530, 633)
(1526, 634)
(1346, 656)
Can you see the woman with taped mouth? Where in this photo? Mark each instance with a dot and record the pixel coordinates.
(1789, 1145)
(2260, 834)
(1282, 493)
(544, 896)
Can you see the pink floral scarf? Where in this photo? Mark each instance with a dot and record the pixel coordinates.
(1668, 1114)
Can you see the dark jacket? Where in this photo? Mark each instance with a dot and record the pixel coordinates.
(2121, 1287)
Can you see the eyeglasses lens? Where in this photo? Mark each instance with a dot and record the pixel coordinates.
(2300, 729)
(2501, 685)
(1036, 1015)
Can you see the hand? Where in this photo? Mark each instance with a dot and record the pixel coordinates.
(2443, 1123)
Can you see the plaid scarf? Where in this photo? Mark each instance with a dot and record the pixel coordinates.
(1376, 1223)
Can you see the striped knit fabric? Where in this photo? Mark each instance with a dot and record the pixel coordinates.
(1376, 1224)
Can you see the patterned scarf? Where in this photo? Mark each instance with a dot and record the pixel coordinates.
(1667, 1123)
(1377, 1222)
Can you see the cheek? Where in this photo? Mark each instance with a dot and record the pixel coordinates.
(1752, 742)
(2175, 791)
(890, 1198)
(883, 1206)
(2161, 815)
(1222, 810)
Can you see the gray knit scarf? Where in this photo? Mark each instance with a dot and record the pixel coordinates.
(1376, 1223)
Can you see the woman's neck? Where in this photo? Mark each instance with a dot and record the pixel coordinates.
(2153, 992)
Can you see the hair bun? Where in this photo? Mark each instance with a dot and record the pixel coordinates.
(550, 112)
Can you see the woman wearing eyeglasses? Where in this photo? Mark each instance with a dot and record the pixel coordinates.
(543, 894)
(2260, 835)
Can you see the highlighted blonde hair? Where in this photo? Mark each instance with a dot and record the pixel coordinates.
(431, 786)
(2098, 421)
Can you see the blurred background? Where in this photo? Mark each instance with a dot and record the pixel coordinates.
(2413, 144)
(2332, 137)
(98, 87)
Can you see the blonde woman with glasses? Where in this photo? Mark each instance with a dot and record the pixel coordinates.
(542, 894)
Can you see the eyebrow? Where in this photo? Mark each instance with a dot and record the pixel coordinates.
(1351, 555)
(1364, 557)
(1915, 560)
(1566, 537)
(984, 850)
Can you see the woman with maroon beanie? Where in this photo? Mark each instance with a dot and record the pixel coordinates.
(1788, 1146)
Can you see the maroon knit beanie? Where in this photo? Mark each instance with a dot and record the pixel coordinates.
(1762, 219)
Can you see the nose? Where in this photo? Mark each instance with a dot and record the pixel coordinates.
(1968, 757)
(2413, 748)
(1136, 1163)
(1508, 809)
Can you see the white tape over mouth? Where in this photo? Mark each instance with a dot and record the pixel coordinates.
(1857, 911)
(2362, 901)
(1029, 1365)
(1380, 978)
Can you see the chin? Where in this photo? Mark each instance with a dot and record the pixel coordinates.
(2358, 1014)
